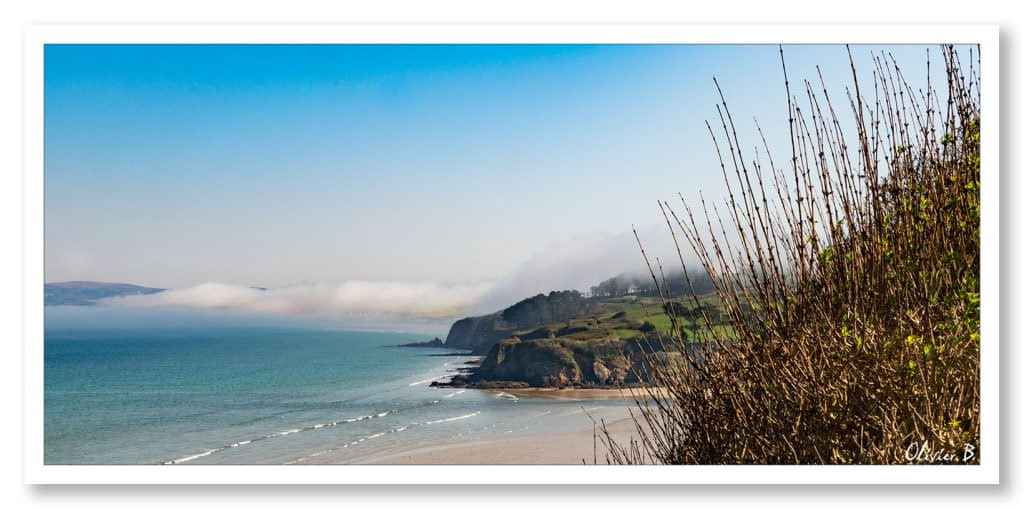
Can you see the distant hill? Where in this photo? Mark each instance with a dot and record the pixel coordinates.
(86, 293)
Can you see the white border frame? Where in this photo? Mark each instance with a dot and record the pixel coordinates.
(38, 473)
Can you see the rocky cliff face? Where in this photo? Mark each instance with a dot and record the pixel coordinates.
(559, 363)
(477, 333)
(480, 333)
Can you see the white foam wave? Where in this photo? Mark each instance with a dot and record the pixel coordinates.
(192, 457)
(353, 419)
(311, 456)
(352, 443)
(446, 396)
(450, 419)
(284, 433)
(425, 381)
(274, 435)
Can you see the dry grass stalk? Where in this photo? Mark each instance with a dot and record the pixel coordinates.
(850, 279)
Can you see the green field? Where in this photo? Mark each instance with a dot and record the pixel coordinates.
(649, 309)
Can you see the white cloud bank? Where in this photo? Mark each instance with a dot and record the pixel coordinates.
(575, 263)
(351, 297)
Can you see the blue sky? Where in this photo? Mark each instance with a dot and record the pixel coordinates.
(176, 165)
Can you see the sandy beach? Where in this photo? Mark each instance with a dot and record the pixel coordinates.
(571, 443)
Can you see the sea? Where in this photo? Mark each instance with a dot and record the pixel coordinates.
(173, 389)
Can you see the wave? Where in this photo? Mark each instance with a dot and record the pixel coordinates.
(277, 434)
(425, 381)
(368, 437)
(284, 433)
(456, 393)
(450, 419)
(348, 420)
(192, 457)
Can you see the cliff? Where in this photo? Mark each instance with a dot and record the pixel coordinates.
(602, 343)
(477, 333)
(480, 333)
(560, 363)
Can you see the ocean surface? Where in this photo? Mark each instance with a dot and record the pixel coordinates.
(217, 391)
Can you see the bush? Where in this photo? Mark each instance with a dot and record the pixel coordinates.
(851, 284)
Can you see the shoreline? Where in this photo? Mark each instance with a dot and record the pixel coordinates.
(554, 440)
(626, 393)
(575, 445)
(576, 393)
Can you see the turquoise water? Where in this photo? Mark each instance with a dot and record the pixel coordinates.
(268, 394)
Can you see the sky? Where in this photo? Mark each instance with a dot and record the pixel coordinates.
(473, 173)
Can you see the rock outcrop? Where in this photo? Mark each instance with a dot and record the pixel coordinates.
(477, 333)
(434, 343)
(560, 362)
(480, 333)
